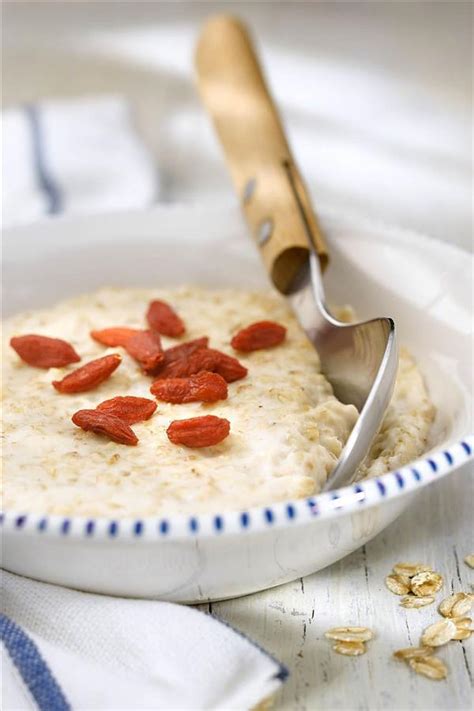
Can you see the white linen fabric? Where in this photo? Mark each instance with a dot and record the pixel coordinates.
(77, 156)
(120, 654)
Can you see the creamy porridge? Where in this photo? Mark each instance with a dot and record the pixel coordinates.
(287, 428)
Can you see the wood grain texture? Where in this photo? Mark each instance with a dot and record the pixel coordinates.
(290, 621)
(272, 192)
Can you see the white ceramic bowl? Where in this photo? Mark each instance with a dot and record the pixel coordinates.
(423, 284)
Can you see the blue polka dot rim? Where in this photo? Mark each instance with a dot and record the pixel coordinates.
(366, 493)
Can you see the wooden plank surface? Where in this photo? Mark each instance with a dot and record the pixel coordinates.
(290, 621)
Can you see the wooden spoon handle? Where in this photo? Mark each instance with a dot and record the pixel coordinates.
(273, 195)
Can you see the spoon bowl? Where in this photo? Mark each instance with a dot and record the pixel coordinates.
(360, 361)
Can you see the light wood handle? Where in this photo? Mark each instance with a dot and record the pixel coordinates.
(273, 195)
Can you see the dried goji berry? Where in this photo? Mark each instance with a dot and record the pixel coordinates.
(163, 318)
(205, 359)
(185, 367)
(184, 350)
(89, 376)
(44, 352)
(113, 337)
(198, 431)
(202, 387)
(228, 366)
(145, 347)
(263, 334)
(106, 424)
(128, 408)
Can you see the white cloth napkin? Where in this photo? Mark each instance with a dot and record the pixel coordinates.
(77, 156)
(63, 649)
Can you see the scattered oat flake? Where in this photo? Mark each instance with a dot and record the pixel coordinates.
(462, 634)
(411, 569)
(455, 605)
(431, 667)
(350, 634)
(469, 560)
(426, 583)
(350, 649)
(463, 627)
(462, 622)
(413, 652)
(398, 584)
(412, 601)
(439, 633)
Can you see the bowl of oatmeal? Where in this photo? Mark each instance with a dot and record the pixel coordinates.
(207, 486)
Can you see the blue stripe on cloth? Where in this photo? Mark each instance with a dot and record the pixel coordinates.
(33, 669)
(43, 176)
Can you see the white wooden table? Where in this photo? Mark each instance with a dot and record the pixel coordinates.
(377, 101)
(290, 621)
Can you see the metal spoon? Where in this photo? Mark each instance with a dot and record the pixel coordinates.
(359, 360)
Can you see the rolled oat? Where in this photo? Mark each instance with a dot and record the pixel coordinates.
(411, 569)
(350, 634)
(350, 649)
(469, 560)
(398, 584)
(438, 633)
(431, 667)
(462, 622)
(463, 627)
(426, 583)
(413, 652)
(456, 605)
(462, 634)
(412, 601)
